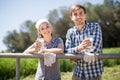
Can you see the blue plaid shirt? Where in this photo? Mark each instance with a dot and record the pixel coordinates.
(74, 38)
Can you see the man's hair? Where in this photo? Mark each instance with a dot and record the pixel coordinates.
(76, 7)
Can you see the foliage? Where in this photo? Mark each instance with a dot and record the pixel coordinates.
(7, 67)
(29, 66)
(61, 22)
(111, 62)
(109, 19)
(19, 41)
(106, 14)
(65, 65)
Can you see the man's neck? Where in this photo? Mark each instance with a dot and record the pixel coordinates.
(80, 27)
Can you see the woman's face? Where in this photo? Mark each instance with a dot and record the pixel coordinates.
(45, 30)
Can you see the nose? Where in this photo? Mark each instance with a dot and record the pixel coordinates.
(80, 15)
(46, 29)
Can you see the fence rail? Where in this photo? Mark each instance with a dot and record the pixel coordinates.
(60, 56)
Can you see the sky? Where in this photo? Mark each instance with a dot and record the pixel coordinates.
(15, 12)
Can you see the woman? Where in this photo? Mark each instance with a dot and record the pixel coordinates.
(53, 45)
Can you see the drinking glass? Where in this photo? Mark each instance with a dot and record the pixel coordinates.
(41, 40)
(91, 47)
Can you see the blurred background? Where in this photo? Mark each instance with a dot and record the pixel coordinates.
(17, 23)
(18, 17)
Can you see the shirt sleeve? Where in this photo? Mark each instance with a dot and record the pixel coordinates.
(97, 42)
(60, 43)
(69, 45)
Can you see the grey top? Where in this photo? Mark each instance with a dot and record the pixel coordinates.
(53, 72)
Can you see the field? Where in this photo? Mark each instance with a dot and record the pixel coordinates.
(28, 68)
(110, 73)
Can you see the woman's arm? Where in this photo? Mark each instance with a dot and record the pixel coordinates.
(30, 49)
(54, 50)
(33, 48)
(58, 50)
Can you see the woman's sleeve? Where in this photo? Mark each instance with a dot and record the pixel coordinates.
(60, 43)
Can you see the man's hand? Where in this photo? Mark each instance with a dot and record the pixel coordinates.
(85, 43)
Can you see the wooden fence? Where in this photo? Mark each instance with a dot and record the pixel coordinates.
(60, 56)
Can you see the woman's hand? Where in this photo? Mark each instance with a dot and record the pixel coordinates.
(37, 45)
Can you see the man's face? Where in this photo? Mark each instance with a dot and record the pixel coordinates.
(78, 17)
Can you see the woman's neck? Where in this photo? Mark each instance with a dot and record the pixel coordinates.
(48, 39)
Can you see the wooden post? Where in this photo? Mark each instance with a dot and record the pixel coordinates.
(17, 68)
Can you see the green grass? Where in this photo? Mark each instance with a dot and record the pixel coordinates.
(110, 73)
(66, 75)
(28, 67)
(111, 62)
(111, 50)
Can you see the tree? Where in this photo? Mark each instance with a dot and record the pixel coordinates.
(106, 14)
(108, 17)
(61, 21)
(19, 41)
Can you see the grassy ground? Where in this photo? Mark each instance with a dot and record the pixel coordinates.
(110, 73)
(28, 66)
(111, 50)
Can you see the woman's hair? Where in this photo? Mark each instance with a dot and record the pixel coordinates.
(77, 7)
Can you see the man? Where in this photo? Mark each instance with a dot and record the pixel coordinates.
(88, 68)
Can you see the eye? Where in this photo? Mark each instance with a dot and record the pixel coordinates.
(42, 28)
(47, 26)
(82, 13)
(75, 14)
